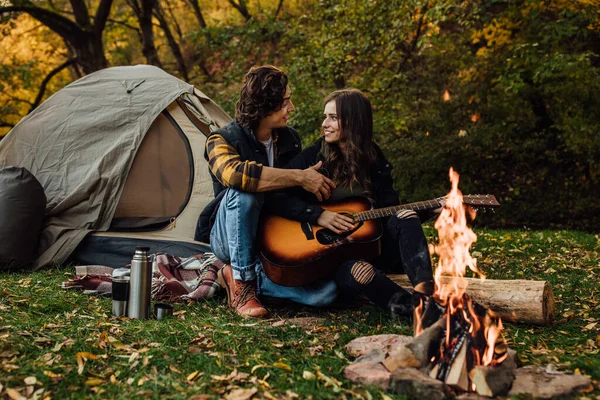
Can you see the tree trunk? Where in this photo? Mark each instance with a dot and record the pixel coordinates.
(144, 12)
(82, 36)
(198, 13)
(173, 45)
(523, 301)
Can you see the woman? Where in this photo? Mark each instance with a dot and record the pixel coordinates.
(358, 167)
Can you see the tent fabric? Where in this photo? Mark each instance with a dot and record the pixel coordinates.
(22, 204)
(80, 144)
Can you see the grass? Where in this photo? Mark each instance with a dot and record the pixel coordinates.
(64, 344)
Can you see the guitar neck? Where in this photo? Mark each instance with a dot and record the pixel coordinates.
(388, 211)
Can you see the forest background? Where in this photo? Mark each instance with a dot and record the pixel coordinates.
(506, 92)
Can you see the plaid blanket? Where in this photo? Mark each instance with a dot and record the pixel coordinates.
(174, 279)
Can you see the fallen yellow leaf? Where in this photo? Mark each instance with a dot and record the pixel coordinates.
(257, 366)
(241, 394)
(590, 326)
(308, 375)
(94, 382)
(14, 394)
(269, 395)
(193, 376)
(30, 380)
(282, 366)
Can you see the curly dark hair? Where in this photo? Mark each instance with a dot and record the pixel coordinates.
(262, 93)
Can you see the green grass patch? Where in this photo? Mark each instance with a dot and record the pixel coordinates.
(68, 344)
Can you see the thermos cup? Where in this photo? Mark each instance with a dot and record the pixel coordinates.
(120, 295)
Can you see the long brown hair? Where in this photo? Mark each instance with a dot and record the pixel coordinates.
(349, 159)
(261, 94)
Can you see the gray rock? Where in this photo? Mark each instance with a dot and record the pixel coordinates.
(374, 356)
(368, 373)
(363, 345)
(537, 382)
(414, 384)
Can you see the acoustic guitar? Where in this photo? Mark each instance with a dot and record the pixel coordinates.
(295, 254)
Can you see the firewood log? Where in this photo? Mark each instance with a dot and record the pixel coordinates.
(520, 301)
(495, 380)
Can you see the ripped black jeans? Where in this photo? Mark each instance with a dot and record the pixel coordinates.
(404, 249)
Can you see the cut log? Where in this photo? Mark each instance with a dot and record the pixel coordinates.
(521, 301)
(427, 344)
(492, 381)
(458, 377)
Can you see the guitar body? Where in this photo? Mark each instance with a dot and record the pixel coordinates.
(295, 254)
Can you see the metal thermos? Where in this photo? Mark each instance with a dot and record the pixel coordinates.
(140, 285)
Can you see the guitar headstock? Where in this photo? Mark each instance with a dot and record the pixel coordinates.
(481, 200)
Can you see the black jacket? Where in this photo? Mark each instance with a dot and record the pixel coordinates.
(383, 194)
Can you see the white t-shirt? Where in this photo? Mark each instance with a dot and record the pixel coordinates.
(269, 147)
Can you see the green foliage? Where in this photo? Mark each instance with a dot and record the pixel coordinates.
(520, 121)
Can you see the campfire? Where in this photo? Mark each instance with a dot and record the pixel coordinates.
(458, 345)
(472, 335)
(458, 341)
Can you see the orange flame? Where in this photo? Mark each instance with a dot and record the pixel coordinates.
(455, 241)
(446, 95)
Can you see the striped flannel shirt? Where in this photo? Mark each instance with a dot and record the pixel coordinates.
(227, 166)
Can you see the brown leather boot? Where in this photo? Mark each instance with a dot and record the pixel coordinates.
(241, 295)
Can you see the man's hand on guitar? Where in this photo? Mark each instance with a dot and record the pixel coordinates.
(336, 222)
(316, 183)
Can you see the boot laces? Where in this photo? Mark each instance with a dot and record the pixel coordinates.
(243, 294)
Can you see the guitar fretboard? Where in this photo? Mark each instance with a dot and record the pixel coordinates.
(388, 211)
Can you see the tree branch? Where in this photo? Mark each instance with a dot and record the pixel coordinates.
(241, 7)
(173, 45)
(125, 24)
(279, 6)
(46, 80)
(174, 20)
(56, 22)
(198, 12)
(413, 44)
(82, 16)
(102, 14)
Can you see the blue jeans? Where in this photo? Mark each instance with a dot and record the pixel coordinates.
(317, 294)
(233, 241)
(233, 236)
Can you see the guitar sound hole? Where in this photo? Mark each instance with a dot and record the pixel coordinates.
(326, 236)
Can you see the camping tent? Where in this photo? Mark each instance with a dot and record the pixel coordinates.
(119, 154)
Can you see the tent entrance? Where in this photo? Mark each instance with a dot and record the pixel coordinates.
(160, 181)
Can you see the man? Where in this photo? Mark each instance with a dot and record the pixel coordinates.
(244, 159)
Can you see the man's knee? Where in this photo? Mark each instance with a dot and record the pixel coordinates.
(245, 201)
